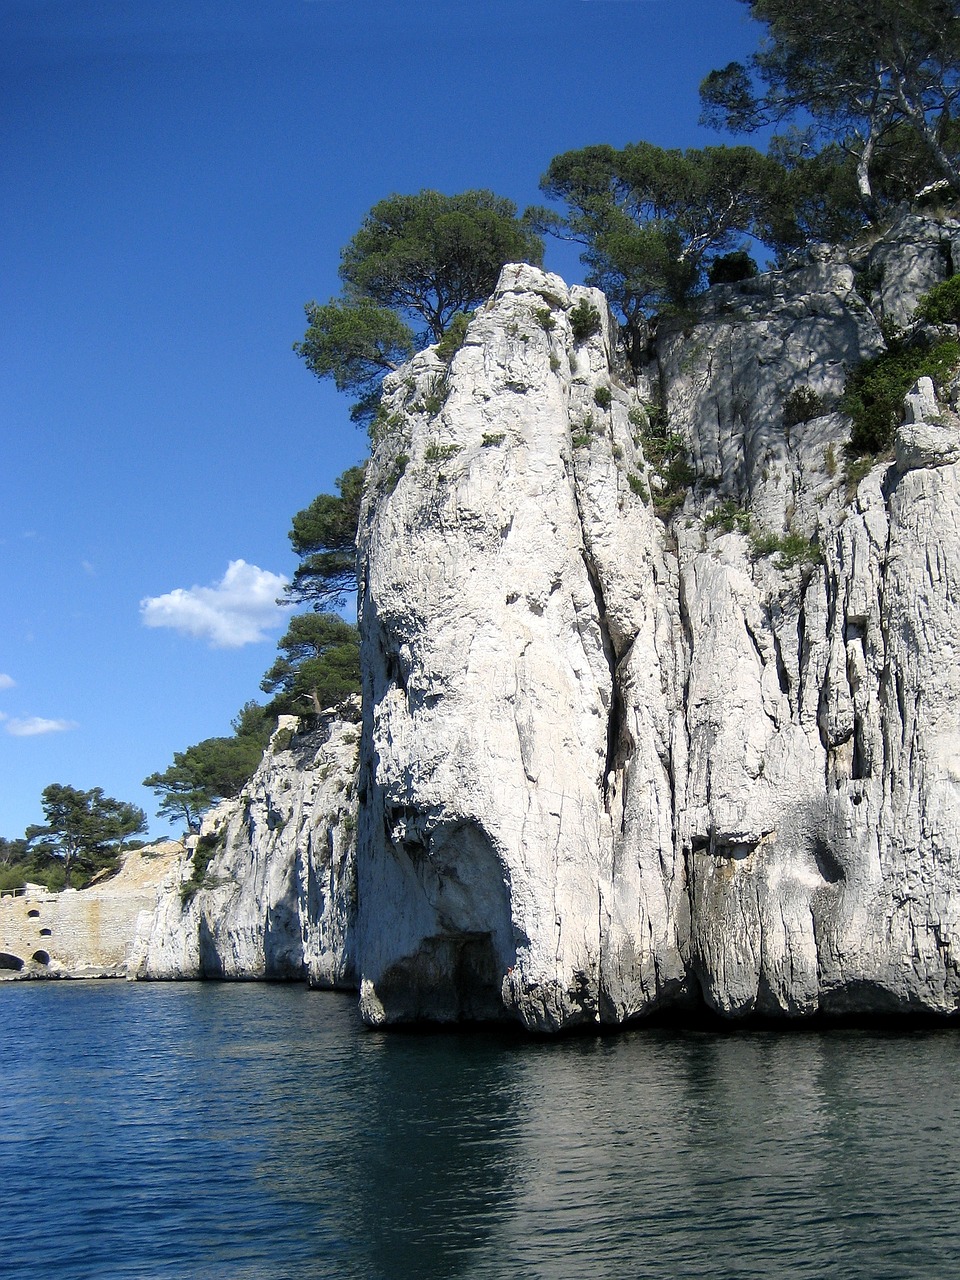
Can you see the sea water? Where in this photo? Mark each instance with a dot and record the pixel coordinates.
(251, 1132)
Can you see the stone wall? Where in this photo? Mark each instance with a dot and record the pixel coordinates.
(83, 933)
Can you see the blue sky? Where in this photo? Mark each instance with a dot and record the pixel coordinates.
(178, 178)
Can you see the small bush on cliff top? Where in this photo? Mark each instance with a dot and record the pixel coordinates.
(584, 321)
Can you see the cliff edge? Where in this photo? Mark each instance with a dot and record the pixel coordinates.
(661, 700)
(637, 736)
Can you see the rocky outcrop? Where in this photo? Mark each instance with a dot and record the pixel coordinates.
(613, 763)
(661, 701)
(268, 889)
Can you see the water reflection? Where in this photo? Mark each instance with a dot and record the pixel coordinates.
(756, 1154)
(438, 1167)
(252, 1133)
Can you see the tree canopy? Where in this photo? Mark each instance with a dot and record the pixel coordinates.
(83, 829)
(319, 666)
(415, 263)
(428, 256)
(324, 536)
(355, 342)
(874, 76)
(12, 850)
(211, 770)
(651, 219)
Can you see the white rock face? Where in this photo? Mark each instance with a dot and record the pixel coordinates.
(917, 253)
(611, 765)
(633, 738)
(278, 898)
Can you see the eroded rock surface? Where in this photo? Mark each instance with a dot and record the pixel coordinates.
(613, 764)
(277, 898)
(661, 705)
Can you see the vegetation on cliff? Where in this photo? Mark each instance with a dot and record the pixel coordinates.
(417, 260)
(324, 536)
(864, 93)
(211, 770)
(318, 666)
(83, 835)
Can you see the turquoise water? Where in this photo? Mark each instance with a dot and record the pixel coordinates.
(253, 1132)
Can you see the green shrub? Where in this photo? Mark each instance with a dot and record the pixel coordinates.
(54, 877)
(206, 850)
(729, 518)
(545, 318)
(665, 451)
(12, 877)
(942, 303)
(639, 488)
(732, 267)
(400, 464)
(383, 424)
(603, 397)
(580, 440)
(660, 449)
(855, 469)
(669, 500)
(493, 438)
(875, 391)
(441, 452)
(42, 869)
(554, 362)
(453, 337)
(678, 476)
(801, 405)
(584, 321)
(436, 397)
(868, 279)
(789, 548)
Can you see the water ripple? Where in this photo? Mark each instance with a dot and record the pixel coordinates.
(259, 1133)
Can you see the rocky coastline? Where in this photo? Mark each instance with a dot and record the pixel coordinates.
(661, 706)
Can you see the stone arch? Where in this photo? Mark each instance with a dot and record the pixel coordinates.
(41, 957)
(33, 913)
(8, 961)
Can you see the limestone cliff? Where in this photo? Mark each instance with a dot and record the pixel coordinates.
(612, 764)
(267, 890)
(661, 707)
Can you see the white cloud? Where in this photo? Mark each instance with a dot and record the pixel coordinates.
(239, 609)
(32, 726)
(6, 682)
